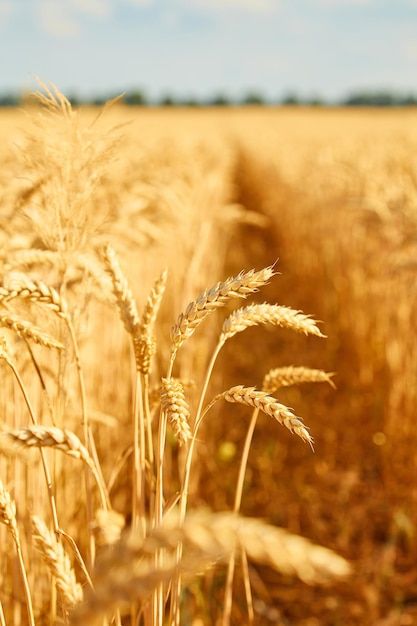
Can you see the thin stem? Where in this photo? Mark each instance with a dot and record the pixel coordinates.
(158, 598)
(26, 588)
(46, 471)
(78, 556)
(139, 460)
(42, 382)
(2, 618)
(175, 611)
(89, 443)
(228, 594)
(248, 590)
(148, 419)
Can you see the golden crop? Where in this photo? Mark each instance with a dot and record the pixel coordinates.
(125, 350)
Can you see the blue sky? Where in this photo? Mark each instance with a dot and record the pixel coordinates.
(199, 47)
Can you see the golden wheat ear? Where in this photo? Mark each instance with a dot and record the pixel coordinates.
(291, 375)
(174, 403)
(269, 405)
(239, 286)
(58, 563)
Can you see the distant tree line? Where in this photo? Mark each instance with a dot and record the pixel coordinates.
(138, 97)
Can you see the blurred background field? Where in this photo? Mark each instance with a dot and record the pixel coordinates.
(331, 194)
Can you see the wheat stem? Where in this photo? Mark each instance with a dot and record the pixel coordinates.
(228, 594)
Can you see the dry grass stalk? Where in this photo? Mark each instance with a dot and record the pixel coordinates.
(58, 564)
(239, 286)
(35, 291)
(271, 314)
(291, 375)
(269, 405)
(29, 331)
(174, 403)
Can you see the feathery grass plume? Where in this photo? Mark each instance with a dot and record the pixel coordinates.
(291, 375)
(250, 396)
(144, 341)
(174, 403)
(29, 331)
(35, 291)
(58, 563)
(128, 571)
(272, 314)
(7, 510)
(51, 437)
(108, 526)
(124, 297)
(239, 286)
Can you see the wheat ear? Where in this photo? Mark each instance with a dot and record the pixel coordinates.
(36, 291)
(29, 331)
(174, 403)
(127, 571)
(144, 339)
(8, 518)
(58, 439)
(124, 297)
(58, 564)
(271, 314)
(239, 286)
(291, 375)
(269, 405)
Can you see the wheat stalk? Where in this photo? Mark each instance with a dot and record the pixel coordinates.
(174, 403)
(58, 564)
(271, 314)
(269, 405)
(291, 375)
(29, 331)
(239, 286)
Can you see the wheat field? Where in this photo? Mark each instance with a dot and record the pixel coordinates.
(172, 283)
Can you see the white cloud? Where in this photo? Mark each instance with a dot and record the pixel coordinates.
(57, 19)
(339, 3)
(6, 8)
(99, 8)
(61, 18)
(256, 6)
(140, 3)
